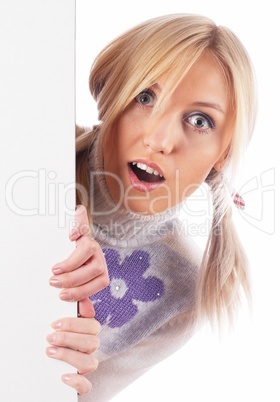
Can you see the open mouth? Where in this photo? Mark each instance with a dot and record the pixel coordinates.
(146, 173)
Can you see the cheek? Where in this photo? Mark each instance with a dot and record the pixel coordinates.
(196, 164)
(199, 159)
(113, 138)
(123, 132)
(191, 176)
(213, 148)
(111, 150)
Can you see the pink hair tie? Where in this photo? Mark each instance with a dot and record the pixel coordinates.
(238, 201)
(236, 198)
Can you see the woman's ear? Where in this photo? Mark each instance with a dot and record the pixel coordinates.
(221, 161)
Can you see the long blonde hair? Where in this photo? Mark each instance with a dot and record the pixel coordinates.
(134, 61)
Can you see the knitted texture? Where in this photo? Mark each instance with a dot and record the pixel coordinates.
(146, 311)
(127, 285)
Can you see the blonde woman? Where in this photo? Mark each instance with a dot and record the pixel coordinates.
(176, 106)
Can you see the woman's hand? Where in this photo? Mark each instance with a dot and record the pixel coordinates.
(74, 341)
(80, 275)
(84, 272)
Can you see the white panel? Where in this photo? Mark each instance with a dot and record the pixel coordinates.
(37, 169)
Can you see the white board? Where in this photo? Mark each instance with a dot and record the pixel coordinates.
(37, 196)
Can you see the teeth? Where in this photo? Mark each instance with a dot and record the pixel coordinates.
(142, 166)
(148, 169)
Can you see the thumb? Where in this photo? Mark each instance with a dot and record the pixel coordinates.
(81, 223)
(85, 309)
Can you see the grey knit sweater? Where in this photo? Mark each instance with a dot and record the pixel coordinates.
(145, 312)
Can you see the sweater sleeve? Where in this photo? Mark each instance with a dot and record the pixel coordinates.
(117, 372)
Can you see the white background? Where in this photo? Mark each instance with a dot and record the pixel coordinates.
(37, 136)
(37, 167)
(243, 365)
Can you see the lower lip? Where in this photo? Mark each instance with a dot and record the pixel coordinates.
(141, 185)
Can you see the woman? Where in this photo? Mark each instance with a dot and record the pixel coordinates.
(176, 105)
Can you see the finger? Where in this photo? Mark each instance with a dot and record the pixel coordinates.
(80, 325)
(77, 381)
(84, 363)
(81, 230)
(81, 224)
(86, 290)
(86, 309)
(88, 247)
(94, 267)
(81, 342)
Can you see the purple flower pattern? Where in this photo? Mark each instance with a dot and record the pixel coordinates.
(115, 305)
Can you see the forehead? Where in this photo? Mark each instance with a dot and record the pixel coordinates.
(205, 82)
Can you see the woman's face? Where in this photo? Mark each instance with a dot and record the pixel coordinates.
(155, 160)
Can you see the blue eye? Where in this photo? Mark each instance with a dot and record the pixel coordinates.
(200, 121)
(146, 98)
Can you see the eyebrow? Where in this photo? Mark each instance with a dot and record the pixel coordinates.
(209, 104)
(156, 86)
(212, 105)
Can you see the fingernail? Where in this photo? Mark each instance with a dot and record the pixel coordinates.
(51, 337)
(55, 282)
(56, 324)
(66, 296)
(74, 235)
(57, 271)
(52, 351)
(65, 378)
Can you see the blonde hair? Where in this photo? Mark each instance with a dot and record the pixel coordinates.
(134, 61)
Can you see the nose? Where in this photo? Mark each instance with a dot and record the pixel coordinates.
(162, 135)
